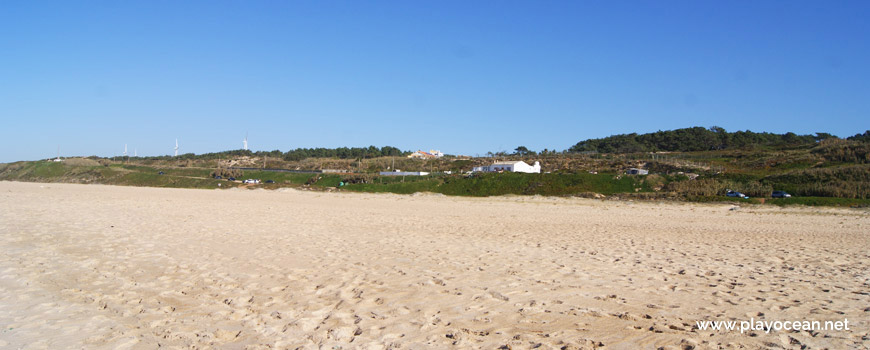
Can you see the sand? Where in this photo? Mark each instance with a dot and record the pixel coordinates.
(103, 267)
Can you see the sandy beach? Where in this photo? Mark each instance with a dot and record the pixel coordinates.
(103, 267)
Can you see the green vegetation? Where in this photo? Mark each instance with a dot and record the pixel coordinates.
(281, 177)
(293, 155)
(135, 175)
(865, 137)
(494, 184)
(700, 165)
(694, 139)
(343, 153)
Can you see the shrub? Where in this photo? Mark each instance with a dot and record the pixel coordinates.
(227, 172)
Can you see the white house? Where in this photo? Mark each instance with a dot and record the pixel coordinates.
(516, 167)
(431, 154)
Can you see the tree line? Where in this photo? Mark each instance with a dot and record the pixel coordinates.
(344, 153)
(296, 154)
(698, 139)
(679, 140)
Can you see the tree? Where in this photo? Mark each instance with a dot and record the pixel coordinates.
(823, 135)
(860, 137)
(717, 129)
(522, 151)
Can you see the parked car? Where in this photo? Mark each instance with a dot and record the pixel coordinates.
(780, 194)
(218, 177)
(252, 181)
(232, 179)
(731, 193)
(159, 173)
(270, 181)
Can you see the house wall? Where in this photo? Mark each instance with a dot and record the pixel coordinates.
(517, 167)
(525, 168)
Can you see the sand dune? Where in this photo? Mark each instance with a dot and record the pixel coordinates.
(101, 267)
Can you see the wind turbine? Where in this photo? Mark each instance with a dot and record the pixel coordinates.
(176, 147)
(246, 142)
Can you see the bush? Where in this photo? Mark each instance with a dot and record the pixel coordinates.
(845, 182)
(654, 182)
(227, 172)
(718, 187)
(839, 150)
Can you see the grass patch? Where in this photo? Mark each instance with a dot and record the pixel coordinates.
(493, 184)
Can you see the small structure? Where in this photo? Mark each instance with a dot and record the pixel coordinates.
(516, 167)
(425, 155)
(636, 171)
(398, 172)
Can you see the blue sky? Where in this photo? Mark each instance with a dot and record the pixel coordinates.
(465, 77)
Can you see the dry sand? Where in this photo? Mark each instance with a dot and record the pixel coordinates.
(102, 267)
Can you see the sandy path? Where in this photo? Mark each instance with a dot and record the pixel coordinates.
(87, 266)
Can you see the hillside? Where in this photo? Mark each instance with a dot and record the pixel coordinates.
(816, 170)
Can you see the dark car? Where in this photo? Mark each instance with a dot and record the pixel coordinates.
(218, 177)
(160, 173)
(270, 181)
(232, 179)
(780, 194)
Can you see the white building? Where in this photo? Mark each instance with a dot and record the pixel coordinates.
(423, 155)
(404, 173)
(516, 167)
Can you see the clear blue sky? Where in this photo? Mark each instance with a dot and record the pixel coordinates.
(465, 77)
